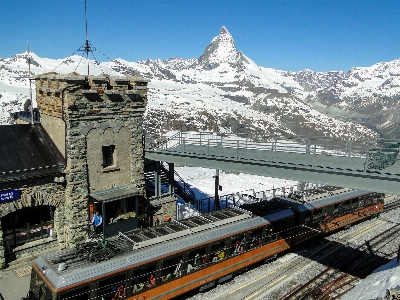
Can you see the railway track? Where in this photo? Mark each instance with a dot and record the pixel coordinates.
(339, 278)
(392, 204)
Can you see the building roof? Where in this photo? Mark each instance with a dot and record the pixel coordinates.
(115, 193)
(27, 151)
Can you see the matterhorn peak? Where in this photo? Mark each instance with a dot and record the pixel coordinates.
(223, 30)
(222, 49)
(225, 39)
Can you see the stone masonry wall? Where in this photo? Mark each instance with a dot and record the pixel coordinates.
(2, 250)
(40, 192)
(86, 103)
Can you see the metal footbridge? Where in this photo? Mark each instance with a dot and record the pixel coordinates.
(364, 164)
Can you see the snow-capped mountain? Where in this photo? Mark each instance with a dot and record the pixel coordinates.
(222, 49)
(225, 91)
(367, 95)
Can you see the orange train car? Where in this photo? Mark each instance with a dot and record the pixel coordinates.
(330, 208)
(167, 260)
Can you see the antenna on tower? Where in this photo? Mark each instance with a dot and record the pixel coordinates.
(86, 48)
(87, 45)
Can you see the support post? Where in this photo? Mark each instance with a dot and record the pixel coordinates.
(104, 216)
(137, 211)
(216, 198)
(157, 181)
(171, 188)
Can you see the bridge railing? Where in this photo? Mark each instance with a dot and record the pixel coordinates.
(376, 153)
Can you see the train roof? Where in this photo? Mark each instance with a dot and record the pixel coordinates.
(279, 215)
(272, 209)
(324, 198)
(142, 246)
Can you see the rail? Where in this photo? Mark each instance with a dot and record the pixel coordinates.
(339, 273)
(186, 190)
(376, 154)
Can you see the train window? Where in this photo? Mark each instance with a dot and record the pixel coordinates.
(172, 268)
(284, 223)
(307, 217)
(238, 244)
(317, 214)
(354, 203)
(112, 287)
(144, 278)
(255, 238)
(197, 259)
(218, 251)
(372, 198)
(79, 294)
(347, 203)
(270, 234)
(337, 209)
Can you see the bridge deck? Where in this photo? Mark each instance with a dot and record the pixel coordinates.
(369, 169)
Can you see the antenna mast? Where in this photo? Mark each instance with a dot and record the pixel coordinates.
(30, 83)
(87, 48)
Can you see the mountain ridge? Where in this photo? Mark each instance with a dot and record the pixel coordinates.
(225, 91)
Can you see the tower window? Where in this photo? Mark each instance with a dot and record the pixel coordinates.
(108, 156)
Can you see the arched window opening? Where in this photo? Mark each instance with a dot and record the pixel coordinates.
(27, 224)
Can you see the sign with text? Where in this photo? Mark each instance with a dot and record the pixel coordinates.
(10, 195)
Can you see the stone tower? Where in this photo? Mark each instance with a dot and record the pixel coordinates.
(96, 123)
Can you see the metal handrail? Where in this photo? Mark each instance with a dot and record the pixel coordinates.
(186, 189)
(376, 153)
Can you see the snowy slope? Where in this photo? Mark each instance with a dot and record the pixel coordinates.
(14, 77)
(372, 92)
(223, 90)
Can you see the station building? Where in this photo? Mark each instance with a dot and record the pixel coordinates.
(82, 151)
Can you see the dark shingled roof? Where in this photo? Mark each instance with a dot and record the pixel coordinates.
(27, 151)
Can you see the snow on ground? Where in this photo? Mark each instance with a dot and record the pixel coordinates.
(202, 182)
(376, 284)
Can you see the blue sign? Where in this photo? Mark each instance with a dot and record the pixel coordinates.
(10, 195)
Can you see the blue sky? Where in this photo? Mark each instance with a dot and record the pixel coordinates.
(321, 35)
